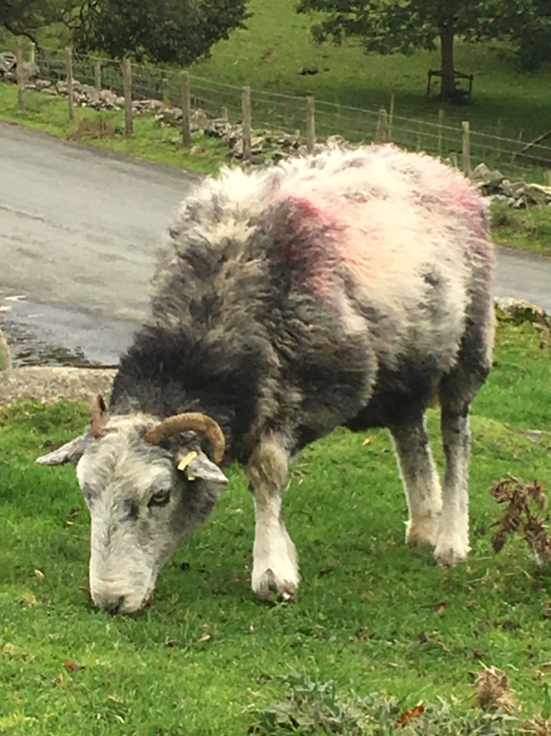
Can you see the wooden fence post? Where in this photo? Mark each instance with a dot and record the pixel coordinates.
(381, 136)
(166, 96)
(390, 117)
(32, 54)
(186, 110)
(519, 141)
(246, 122)
(127, 83)
(441, 114)
(466, 150)
(311, 125)
(21, 76)
(498, 136)
(69, 72)
(97, 75)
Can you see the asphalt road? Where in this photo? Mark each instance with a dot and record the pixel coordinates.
(79, 232)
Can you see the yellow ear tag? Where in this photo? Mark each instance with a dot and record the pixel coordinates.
(182, 465)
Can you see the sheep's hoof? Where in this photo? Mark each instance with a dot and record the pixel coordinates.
(447, 555)
(267, 587)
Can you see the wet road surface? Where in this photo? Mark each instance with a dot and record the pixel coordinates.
(79, 233)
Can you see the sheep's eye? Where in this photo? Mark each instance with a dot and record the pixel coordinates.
(161, 498)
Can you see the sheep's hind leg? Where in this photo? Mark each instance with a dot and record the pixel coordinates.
(421, 481)
(453, 535)
(275, 566)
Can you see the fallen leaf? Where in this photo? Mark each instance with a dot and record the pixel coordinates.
(409, 715)
(439, 607)
(367, 441)
(203, 638)
(39, 574)
(72, 666)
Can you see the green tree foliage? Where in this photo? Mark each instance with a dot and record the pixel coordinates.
(27, 17)
(173, 31)
(390, 26)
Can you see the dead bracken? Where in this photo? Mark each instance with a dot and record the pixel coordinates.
(524, 513)
(492, 690)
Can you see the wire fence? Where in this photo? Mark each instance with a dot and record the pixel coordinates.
(288, 113)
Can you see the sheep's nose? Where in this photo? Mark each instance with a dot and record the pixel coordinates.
(114, 607)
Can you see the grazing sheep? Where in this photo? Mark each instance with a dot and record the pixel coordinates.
(352, 287)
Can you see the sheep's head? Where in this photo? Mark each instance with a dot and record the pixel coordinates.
(146, 483)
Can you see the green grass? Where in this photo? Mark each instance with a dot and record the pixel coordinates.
(528, 229)
(366, 616)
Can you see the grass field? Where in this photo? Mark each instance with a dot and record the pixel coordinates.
(207, 658)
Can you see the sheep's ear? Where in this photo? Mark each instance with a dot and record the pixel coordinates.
(71, 452)
(195, 464)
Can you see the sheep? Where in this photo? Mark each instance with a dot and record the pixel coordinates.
(350, 287)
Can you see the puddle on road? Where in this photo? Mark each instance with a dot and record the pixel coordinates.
(61, 335)
(26, 348)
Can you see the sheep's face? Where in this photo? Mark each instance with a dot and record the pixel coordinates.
(141, 507)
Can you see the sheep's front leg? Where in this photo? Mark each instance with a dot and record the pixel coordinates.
(275, 566)
(420, 479)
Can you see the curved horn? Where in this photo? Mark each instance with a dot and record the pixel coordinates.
(97, 422)
(183, 423)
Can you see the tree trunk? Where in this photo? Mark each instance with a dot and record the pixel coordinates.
(447, 88)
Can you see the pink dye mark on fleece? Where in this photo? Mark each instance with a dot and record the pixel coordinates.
(310, 250)
(383, 226)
